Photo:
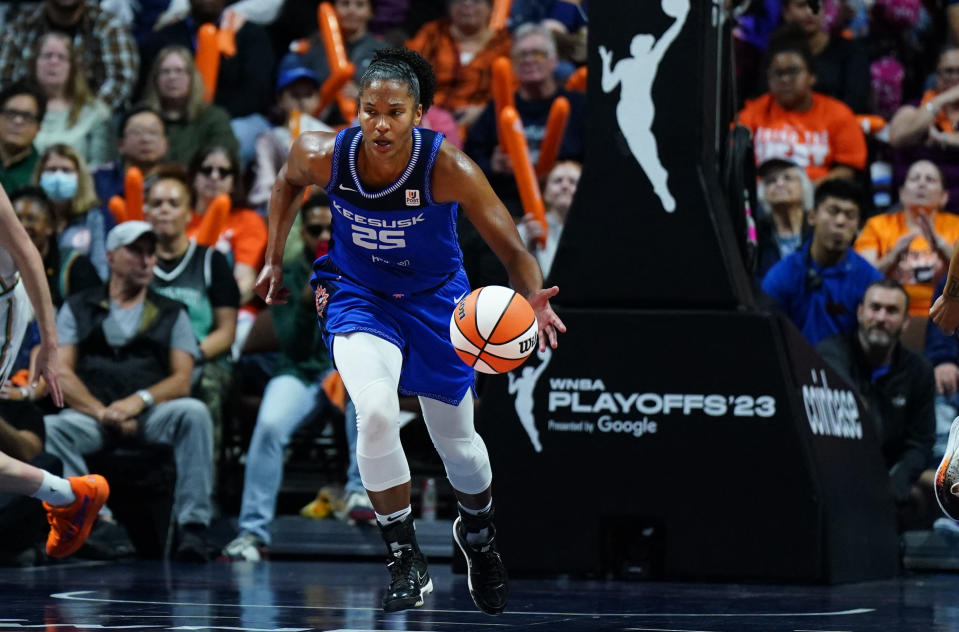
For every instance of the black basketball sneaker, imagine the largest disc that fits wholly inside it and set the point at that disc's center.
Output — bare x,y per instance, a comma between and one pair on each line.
486,573
409,577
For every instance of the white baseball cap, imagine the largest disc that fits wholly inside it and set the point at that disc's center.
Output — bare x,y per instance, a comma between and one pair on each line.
126,233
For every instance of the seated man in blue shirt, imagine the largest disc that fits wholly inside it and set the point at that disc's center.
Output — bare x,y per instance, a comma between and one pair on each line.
819,286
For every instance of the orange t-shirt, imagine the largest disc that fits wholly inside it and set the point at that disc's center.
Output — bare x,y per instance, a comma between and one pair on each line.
244,236
818,139
919,270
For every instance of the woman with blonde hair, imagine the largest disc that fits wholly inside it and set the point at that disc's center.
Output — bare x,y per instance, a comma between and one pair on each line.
174,88
74,115
82,223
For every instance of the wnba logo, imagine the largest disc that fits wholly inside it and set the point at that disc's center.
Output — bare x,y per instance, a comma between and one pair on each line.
525,346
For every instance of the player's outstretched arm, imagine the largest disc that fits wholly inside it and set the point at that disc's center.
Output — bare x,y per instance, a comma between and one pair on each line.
457,178
308,163
14,239
945,311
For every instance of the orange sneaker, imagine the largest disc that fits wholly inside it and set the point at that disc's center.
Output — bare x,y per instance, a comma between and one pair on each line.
70,525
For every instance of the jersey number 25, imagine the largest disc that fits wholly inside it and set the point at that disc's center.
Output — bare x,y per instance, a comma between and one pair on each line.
371,239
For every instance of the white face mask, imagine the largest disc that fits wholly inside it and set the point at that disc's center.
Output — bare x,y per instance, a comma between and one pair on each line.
59,185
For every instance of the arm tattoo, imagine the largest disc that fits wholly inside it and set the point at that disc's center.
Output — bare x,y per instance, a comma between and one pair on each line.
952,287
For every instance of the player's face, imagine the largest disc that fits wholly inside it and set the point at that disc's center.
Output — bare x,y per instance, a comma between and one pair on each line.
35,218
561,186
387,116
215,176
790,81
882,316
167,207
923,187
835,223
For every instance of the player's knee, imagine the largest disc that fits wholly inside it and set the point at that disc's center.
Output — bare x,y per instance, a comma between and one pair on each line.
466,461
377,410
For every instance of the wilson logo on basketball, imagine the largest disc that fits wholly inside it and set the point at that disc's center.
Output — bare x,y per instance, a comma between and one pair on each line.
321,299
525,346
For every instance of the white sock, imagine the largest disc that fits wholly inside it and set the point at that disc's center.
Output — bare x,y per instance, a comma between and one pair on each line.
476,512
393,518
55,490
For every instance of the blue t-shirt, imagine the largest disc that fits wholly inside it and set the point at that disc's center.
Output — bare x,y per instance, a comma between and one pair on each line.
820,301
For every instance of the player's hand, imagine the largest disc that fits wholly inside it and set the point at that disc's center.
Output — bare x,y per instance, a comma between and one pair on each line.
48,367
269,285
549,323
945,313
947,378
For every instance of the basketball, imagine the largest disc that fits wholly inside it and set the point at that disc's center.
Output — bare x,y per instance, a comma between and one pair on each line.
493,329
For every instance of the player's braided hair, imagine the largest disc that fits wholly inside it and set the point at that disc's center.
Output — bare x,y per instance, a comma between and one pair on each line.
403,64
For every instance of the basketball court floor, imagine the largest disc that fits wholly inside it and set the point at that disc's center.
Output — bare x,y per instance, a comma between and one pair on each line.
326,596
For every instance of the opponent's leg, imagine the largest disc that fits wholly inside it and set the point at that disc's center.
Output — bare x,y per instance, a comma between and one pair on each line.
468,469
370,368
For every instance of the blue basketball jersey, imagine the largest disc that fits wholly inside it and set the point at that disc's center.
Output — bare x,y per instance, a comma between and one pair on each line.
397,240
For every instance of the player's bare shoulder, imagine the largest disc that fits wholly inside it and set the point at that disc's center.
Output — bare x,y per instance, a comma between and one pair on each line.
452,171
310,158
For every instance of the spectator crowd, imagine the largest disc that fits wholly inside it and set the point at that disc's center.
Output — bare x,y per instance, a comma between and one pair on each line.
853,108
119,149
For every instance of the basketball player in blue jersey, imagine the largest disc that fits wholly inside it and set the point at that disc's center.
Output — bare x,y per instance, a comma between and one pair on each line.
384,296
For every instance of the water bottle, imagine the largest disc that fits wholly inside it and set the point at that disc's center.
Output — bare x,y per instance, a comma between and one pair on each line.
428,508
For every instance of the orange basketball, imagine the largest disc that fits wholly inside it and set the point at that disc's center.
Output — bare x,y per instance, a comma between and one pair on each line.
493,329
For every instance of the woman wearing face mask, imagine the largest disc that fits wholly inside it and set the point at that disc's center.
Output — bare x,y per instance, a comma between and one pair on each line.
82,223
74,116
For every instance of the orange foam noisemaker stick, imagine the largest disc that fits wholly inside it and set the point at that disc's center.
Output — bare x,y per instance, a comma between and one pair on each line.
499,14
529,194
214,220
502,89
577,80
553,136
341,70
118,207
208,59
133,193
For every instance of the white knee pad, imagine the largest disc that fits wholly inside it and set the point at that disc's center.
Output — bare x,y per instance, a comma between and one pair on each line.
461,448
370,370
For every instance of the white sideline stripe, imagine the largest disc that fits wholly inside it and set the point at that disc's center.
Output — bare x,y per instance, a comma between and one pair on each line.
75,596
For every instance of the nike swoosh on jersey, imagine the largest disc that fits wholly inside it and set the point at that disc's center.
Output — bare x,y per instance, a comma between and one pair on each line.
460,297
347,188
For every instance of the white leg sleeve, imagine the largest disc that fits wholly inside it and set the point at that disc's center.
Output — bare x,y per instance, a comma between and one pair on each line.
370,368
461,448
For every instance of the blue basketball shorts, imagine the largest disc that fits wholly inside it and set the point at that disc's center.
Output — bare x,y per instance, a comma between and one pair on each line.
419,324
